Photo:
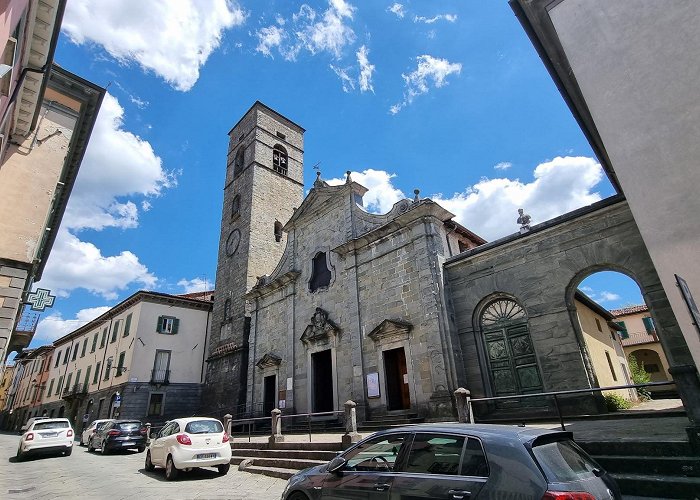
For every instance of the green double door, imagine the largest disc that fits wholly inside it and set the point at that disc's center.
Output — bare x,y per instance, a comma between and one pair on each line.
511,359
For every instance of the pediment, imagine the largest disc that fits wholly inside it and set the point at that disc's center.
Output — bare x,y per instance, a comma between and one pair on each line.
268,360
320,329
391,329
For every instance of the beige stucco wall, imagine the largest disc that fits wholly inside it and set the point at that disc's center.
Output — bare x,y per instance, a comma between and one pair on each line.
28,183
635,328
636,64
598,343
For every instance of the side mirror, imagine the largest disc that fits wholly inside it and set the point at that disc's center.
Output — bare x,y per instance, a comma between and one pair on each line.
336,464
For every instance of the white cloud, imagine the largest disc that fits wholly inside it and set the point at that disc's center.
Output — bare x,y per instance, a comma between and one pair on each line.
53,326
429,71
430,20
194,285
347,81
172,38
269,38
77,264
381,194
105,177
366,69
586,289
397,9
504,165
317,33
606,296
490,207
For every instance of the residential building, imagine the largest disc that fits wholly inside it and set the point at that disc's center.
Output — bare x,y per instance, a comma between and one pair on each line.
28,386
141,359
5,384
641,340
47,115
603,345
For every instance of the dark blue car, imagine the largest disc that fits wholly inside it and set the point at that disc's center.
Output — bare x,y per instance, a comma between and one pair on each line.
458,461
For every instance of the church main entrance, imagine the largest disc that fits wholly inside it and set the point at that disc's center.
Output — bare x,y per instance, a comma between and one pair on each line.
397,393
322,374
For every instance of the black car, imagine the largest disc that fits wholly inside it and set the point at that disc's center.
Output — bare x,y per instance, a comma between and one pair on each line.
458,461
119,435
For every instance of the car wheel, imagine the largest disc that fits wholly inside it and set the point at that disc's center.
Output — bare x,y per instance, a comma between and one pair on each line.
89,446
69,451
149,465
103,449
297,495
170,469
20,455
223,469
141,449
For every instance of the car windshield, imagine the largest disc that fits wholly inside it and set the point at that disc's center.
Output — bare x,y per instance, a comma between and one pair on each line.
564,461
129,426
204,427
38,426
100,425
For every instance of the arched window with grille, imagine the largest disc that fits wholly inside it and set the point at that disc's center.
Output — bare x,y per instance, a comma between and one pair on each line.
510,354
239,161
227,309
279,159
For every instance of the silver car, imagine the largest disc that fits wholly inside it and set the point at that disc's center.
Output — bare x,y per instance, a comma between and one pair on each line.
458,461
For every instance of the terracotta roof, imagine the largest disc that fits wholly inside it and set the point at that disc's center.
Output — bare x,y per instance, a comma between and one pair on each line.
207,296
629,310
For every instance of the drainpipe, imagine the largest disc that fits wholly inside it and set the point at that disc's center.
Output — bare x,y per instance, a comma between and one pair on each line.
205,347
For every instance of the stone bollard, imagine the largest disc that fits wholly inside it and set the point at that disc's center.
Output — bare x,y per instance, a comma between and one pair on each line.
276,435
351,435
464,410
227,424
148,432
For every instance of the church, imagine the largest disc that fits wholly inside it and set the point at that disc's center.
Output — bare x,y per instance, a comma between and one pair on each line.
319,301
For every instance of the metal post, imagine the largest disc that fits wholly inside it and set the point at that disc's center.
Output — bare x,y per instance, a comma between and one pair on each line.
148,432
308,419
561,418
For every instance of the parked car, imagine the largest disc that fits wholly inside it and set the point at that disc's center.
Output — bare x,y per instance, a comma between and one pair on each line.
458,461
29,423
90,430
46,435
185,443
119,435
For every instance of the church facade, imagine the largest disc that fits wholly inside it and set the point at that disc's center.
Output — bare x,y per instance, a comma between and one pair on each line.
319,301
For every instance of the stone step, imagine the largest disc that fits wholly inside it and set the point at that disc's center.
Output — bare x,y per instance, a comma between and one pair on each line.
278,472
658,486
671,466
278,463
306,446
322,455
637,448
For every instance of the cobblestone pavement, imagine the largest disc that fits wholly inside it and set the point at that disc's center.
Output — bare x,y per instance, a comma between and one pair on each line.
118,476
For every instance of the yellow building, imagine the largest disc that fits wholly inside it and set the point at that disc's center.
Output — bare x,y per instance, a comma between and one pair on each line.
605,352
639,339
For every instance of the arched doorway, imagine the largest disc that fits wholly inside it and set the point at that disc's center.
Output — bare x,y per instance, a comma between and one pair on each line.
510,355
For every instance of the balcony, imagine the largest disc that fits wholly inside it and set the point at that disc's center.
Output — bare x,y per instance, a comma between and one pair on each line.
640,338
76,390
160,376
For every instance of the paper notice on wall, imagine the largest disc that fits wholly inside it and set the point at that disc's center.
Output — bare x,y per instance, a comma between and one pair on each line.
373,385
290,383
282,404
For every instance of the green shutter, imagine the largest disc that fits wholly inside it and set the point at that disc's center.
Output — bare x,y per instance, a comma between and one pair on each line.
623,331
94,343
159,326
127,325
97,373
176,325
87,378
649,325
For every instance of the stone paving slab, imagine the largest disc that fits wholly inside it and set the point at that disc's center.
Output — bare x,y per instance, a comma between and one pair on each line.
119,476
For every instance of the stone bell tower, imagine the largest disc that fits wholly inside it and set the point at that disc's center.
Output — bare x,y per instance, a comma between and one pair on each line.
264,184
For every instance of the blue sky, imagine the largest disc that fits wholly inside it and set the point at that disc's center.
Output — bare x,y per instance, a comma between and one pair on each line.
448,97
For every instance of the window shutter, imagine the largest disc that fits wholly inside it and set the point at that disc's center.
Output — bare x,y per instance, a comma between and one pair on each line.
159,326
176,325
623,332
649,325
127,325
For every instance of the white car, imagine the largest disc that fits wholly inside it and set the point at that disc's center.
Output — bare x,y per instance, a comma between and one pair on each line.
91,429
185,443
47,435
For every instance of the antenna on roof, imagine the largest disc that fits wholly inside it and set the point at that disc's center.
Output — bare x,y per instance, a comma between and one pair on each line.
316,167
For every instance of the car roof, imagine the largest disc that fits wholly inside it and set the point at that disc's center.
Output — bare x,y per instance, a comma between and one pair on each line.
128,421
187,420
54,420
486,431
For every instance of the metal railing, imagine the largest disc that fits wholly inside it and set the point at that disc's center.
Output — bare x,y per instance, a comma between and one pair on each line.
75,390
160,376
555,395
640,338
307,417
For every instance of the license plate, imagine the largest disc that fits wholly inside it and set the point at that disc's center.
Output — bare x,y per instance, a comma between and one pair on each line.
48,434
127,443
202,456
